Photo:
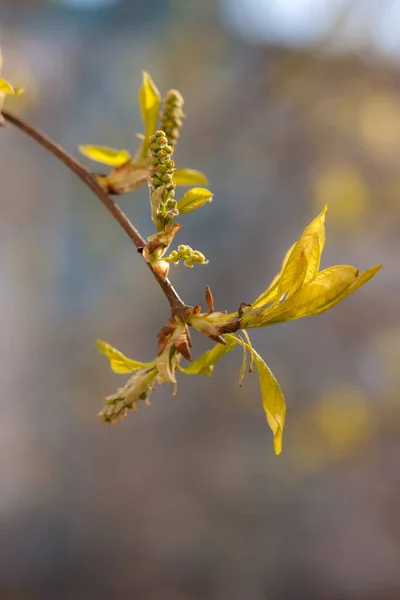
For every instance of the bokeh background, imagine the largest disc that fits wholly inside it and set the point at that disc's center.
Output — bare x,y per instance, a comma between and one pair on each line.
290,104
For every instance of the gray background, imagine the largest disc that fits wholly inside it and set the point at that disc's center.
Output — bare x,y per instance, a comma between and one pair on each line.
289,105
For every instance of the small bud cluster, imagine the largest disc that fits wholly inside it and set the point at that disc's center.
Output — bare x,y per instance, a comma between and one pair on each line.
161,168
171,118
188,255
161,164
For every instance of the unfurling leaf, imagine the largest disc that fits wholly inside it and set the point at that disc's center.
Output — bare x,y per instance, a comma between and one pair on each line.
189,177
138,388
273,401
206,362
105,155
301,263
326,290
160,242
194,199
126,178
118,362
300,289
174,342
150,100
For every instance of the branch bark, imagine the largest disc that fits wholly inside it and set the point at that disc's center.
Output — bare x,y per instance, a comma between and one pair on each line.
178,307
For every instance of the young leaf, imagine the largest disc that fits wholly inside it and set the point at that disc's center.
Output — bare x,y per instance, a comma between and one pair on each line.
194,199
327,289
150,100
270,293
118,362
6,87
126,178
105,155
206,362
304,259
301,263
273,401
189,177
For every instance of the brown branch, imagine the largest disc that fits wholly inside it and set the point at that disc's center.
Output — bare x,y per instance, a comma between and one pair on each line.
178,307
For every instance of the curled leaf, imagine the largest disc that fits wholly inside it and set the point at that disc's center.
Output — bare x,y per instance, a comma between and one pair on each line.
194,199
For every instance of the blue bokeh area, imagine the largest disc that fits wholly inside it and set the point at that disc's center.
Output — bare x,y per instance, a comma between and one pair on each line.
290,105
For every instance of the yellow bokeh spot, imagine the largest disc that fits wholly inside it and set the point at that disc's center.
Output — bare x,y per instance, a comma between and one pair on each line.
343,189
343,418
380,124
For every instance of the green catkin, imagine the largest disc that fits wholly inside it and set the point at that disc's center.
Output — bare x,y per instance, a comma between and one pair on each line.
171,118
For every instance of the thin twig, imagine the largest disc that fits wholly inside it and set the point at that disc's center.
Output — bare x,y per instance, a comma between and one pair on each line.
178,307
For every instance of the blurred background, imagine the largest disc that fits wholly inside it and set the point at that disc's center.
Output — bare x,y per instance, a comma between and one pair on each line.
290,104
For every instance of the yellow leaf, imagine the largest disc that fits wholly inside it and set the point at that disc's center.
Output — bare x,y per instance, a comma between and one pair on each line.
363,277
292,277
314,255
271,291
206,362
327,289
194,199
150,100
273,401
301,263
309,245
105,155
6,87
118,362
189,177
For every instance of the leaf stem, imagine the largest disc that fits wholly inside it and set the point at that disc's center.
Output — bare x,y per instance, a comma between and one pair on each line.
178,307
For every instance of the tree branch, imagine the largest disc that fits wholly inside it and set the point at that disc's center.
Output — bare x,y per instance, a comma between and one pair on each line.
178,307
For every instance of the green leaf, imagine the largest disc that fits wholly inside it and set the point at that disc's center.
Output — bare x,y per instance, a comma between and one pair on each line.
206,362
189,177
194,199
118,362
105,155
150,100
273,401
